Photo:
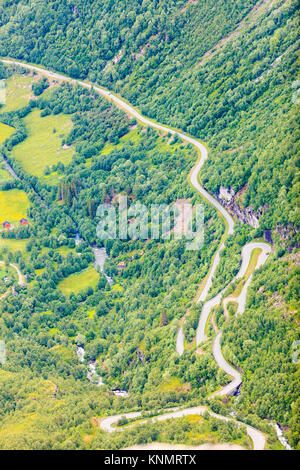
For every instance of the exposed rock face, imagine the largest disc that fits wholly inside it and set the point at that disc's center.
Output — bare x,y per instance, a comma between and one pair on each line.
226,194
268,235
287,234
247,216
140,354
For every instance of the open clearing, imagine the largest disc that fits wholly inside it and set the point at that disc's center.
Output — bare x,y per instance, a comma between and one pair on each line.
7,271
79,281
43,146
4,175
5,132
13,244
18,92
13,205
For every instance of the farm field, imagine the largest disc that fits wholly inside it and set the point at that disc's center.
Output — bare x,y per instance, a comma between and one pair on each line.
13,205
43,146
79,281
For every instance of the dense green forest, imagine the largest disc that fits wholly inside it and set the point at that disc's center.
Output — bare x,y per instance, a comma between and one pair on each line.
237,96
135,47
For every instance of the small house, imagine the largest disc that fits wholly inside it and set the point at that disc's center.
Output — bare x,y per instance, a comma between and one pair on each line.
6,224
24,222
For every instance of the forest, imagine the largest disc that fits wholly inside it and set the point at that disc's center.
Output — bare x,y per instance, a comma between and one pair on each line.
238,99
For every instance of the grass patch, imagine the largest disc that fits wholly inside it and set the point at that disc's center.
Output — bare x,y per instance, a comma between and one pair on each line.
18,92
174,383
40,271
65,353
79,281
64,250
13,244
4,175
7,271
5,132
91,314
132,136
43,146
13,205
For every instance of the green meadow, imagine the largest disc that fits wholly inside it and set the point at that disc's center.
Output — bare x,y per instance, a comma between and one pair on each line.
43,146
79,281
17,92
4,175
5,132
13,205
13,245
7,271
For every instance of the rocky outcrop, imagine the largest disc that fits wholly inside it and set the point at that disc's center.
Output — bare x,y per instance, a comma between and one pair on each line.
140,354
246,215
288,235
226,194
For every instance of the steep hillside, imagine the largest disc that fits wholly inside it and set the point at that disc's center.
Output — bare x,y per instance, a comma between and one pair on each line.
222,71
233,86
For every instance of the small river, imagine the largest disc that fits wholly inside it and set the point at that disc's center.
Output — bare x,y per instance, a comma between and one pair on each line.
92,375
100,257
281,437
10,169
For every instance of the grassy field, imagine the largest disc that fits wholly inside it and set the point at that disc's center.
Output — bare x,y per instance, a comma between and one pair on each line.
4,175
43,146
13,205
173,383
7,271
79,281
5,132
13,244
18,92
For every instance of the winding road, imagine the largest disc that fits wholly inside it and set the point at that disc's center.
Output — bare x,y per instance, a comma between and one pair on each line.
107,424
241,300
257,437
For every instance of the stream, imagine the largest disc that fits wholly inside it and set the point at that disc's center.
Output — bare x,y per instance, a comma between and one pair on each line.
10,169
281,437
92,375
100,257
12,172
